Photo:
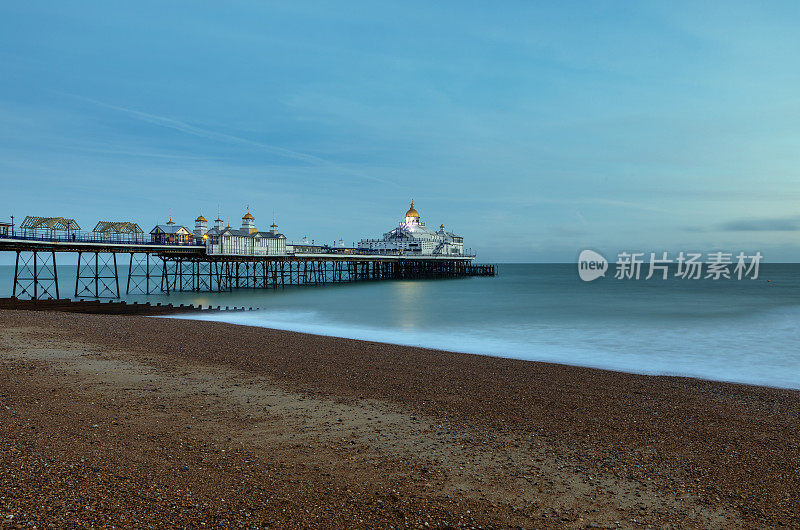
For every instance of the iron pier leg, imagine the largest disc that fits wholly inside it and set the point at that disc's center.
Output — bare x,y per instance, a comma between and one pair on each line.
164,275
55,274
35,278
130,270
78,275
16,274
97,275
116,276
179,276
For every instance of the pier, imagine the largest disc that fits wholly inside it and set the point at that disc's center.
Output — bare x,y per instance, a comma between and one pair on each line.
167,267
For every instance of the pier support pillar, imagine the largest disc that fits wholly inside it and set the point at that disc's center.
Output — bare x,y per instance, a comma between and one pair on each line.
35,275
138,274
97,275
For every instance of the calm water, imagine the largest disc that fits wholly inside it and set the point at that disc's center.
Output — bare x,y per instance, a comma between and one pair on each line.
746,331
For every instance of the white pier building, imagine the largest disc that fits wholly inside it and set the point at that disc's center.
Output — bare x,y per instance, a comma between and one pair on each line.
244,241
412,236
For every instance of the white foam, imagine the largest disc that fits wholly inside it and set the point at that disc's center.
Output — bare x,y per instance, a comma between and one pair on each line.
729,350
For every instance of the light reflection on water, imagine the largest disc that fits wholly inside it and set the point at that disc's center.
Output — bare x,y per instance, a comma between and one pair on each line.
408,297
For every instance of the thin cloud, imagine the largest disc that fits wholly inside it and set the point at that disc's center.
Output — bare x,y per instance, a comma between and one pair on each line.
525,200
567,230
187,128
788,224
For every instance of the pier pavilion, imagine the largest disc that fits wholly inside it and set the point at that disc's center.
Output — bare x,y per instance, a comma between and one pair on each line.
244,241
413,236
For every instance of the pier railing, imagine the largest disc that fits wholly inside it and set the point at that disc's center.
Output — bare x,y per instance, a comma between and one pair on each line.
91,237
377,252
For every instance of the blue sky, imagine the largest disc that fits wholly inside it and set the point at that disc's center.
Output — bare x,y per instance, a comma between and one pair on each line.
534,129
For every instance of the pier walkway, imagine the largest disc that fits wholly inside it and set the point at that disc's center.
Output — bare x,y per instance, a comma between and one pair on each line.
169,267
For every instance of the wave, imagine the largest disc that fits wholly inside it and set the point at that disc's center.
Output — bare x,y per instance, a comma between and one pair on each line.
722,351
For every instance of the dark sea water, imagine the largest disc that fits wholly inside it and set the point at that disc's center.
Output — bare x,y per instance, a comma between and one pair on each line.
731,330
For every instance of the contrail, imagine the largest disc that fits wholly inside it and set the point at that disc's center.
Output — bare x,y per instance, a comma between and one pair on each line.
223,137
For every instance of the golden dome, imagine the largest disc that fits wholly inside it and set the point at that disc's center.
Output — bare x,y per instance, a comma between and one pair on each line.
200,218
247,216
412,212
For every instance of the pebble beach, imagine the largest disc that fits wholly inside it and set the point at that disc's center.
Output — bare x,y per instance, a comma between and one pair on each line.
133,421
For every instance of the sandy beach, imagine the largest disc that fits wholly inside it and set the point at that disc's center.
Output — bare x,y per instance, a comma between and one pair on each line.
136,421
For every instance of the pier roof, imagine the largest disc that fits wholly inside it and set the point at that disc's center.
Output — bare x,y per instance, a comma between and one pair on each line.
117,227
243,232
170,229
49,223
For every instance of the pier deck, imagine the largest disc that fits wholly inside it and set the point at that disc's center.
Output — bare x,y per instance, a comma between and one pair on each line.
165,268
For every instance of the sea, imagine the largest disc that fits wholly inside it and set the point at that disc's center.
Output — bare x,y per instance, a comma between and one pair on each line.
745,331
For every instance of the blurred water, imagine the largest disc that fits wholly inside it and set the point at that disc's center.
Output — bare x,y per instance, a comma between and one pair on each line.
745,331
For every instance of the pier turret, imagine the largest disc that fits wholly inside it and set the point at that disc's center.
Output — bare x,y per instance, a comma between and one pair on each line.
200,228
249,223
412,216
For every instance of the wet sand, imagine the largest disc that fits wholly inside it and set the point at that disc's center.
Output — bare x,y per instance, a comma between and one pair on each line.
135,421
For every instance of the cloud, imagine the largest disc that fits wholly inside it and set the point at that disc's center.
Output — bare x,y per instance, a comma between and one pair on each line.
567,230
184,127
787,224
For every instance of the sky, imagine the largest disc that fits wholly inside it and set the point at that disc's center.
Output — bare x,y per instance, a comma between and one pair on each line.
533,129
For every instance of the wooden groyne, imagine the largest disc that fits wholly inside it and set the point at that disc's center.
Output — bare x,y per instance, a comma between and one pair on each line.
108,308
